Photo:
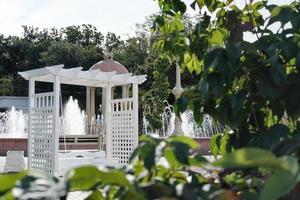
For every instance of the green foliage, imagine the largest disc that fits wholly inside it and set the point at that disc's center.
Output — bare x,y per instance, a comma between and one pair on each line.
37,186
6,85
220,144
159,91
85,35
285,170
10,181
112,42
168,169
84,46
248,86
141,179
278,185
252,157
288,146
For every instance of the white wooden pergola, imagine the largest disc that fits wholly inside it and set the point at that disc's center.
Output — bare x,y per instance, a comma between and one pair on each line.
121,115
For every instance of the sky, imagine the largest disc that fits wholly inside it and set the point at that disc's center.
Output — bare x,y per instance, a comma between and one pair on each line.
118,16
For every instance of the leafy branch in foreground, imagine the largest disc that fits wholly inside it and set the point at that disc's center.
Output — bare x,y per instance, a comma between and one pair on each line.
249,82
169,168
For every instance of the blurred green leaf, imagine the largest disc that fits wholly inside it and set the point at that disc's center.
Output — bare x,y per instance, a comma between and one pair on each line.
279,184
254,157
193,63
96,195
216,38
184,139
8,181
287,146
225,146
271,137
214,144
83,178
114,177
181,151
169,154
89,177
146,151
280,14
157,190
39,186
181,105
197,160
7,196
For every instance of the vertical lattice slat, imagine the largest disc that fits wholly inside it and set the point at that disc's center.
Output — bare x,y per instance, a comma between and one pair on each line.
41,134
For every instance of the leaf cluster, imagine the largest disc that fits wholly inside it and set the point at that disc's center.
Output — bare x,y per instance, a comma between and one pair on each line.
168,169
250,85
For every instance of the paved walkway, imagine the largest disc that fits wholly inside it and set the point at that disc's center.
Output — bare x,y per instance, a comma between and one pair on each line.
71,159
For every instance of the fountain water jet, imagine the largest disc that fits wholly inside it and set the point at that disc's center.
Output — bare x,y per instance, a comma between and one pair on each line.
189,126
13,124
74,119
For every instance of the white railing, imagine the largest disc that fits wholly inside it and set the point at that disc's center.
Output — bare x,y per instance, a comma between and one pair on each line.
79,140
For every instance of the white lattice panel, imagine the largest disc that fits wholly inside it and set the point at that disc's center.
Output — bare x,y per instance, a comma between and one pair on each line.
41,145
122,118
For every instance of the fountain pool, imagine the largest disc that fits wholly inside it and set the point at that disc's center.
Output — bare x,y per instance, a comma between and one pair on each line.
201,133
190,127
75,132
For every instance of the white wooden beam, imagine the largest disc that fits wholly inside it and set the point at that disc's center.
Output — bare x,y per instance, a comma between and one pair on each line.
137,79
34,73
72,76
121,77
55,69
70,72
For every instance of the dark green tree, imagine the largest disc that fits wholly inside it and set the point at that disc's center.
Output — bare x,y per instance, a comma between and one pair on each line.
6,87
153,100
112,42
249,86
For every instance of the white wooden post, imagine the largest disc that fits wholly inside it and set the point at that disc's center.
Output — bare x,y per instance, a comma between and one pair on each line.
108,124
56,91
135,96
103,106
88,103
124,91
112,92
93,90
30,105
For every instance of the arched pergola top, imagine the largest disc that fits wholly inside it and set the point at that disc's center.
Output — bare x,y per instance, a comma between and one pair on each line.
76,76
